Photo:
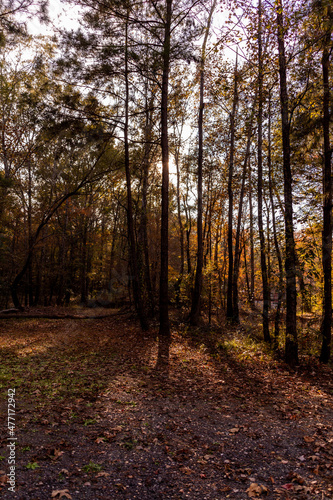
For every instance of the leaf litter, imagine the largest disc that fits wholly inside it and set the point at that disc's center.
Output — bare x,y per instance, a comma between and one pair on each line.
226,423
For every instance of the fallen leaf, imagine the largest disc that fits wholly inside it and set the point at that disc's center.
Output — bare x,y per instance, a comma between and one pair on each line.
234,430
254,490
308,439
3,479
186,470
56,454
288,486
61,493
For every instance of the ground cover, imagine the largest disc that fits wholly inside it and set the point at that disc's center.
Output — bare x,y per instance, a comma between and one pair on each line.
95,421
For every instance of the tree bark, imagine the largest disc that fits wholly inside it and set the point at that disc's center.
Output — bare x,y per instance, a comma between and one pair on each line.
251,242
276,242
327,206
265,289
291,344
137,295
164,329
231,196
196,296
179,217
143,230
239,219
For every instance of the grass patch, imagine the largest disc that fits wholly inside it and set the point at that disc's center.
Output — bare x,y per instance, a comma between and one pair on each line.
92,467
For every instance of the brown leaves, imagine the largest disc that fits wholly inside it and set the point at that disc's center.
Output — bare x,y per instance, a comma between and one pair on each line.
186,470
61,494
255,490
56,454
3,478
234,430
100,440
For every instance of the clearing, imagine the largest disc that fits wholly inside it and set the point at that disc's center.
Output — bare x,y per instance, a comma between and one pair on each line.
94,421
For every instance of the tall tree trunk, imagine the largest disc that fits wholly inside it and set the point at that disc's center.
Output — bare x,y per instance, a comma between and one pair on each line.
83,259
246,270
143,229
196,296
30,276
188,234
239,219
327,208
231,195
265,289
291,345
180,223
275,238
164,330
251,242
137,295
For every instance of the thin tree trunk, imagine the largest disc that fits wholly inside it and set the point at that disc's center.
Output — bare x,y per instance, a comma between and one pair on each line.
30,277
180,223
143,231
327,208
265,290
231,196
291,345
164,330
251,242
137,295
83,277
239,219
188,235
246,270
196,296
276,242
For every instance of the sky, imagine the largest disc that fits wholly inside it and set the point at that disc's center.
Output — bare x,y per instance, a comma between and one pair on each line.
65,16
61,15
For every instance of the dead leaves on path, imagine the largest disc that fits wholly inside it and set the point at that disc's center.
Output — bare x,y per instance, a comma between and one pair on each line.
256,489
61,494
56,454
3,478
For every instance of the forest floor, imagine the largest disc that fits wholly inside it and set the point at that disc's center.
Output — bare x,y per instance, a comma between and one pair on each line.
93,420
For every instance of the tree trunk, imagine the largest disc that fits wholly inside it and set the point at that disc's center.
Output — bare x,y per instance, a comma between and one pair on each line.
164,330
327,208
239,219
251,242
231,196
137,295
196,296
180,223
143,230
265,289
83,277
276,242
291,345
188,235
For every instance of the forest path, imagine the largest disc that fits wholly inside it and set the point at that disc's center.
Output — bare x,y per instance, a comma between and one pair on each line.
95,421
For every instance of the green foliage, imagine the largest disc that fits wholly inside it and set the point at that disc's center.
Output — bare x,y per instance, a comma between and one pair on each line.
32,465
92,467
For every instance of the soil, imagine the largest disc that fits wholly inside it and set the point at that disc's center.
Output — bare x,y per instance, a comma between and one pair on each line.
94,420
